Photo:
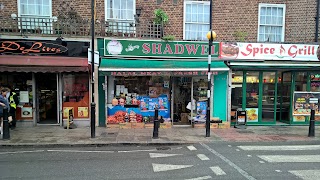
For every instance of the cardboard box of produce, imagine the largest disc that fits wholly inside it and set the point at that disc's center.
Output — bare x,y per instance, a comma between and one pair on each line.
214,126
136,125
148,125
224,125
113,126
125,125
184,117
202,125
165,125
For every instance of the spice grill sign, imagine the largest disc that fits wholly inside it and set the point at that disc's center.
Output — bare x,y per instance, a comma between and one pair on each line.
262,51
160,49
31,47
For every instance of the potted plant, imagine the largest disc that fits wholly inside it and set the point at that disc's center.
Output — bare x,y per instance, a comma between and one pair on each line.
160,17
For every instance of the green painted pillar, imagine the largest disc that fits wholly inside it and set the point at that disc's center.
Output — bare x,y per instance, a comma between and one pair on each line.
220,95
102,99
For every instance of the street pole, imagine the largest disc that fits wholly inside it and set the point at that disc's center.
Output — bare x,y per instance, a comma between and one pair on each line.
93,105
209,75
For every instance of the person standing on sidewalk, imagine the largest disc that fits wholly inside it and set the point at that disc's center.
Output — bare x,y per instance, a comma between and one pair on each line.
3,103
14,101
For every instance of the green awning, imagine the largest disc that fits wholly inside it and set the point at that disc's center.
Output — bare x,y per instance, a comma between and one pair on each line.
159,65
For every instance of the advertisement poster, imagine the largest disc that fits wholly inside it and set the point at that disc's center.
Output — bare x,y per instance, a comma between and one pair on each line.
202,108
268,51
144,103
163,103
303,102
24,96
26,112
152,103
83,112
252,114
66,111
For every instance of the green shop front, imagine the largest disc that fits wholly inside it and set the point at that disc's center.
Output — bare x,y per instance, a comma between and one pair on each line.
277,84
135,76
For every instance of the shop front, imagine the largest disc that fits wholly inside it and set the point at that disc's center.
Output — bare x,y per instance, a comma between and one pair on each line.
135,77
274,83
49,77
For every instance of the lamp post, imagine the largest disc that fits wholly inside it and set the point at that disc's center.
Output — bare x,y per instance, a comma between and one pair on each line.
210,35
93,105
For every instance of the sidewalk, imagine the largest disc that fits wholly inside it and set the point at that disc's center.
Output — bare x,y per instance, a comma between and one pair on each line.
58,136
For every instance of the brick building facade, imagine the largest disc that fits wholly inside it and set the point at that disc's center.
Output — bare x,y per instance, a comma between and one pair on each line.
232,20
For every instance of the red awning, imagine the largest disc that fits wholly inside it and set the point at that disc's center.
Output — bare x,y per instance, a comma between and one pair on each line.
12,63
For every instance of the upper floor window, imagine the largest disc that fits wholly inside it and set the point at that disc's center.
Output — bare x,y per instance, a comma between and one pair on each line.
35,8
196,20
271,22
120,9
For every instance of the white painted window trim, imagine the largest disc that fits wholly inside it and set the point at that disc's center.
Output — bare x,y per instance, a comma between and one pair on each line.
184,13
284,18
106,11
19,9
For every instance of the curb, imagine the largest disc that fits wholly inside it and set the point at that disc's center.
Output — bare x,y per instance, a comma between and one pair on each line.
94,144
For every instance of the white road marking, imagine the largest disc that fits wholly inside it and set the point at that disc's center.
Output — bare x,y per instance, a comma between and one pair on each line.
249,155
21,152
158,155
191,148
261,162
79,151
203,157
229,146
143,150
291,158
168,167
217,170
241,171
201,178
278,171
280,148
307,174
237,149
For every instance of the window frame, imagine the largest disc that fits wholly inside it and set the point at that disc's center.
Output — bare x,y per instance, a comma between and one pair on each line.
38,16
114,19
283,6
184,15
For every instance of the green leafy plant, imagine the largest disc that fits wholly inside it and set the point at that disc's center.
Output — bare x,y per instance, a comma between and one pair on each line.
168,38
240,35
160,17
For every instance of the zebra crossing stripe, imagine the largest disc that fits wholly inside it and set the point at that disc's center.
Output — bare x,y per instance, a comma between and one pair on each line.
203,157
201,178
217,170
307,174
191,148
280,148
291,158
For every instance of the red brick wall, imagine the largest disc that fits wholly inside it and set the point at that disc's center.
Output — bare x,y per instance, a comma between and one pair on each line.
228,16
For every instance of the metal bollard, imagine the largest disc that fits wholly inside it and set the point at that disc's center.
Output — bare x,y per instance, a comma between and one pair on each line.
312,124
156,123
6,131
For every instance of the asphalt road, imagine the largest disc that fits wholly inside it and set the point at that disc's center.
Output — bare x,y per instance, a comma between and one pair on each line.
220,160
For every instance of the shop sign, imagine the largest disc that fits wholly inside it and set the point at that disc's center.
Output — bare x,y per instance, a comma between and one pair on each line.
303,102
31,47
263,51
160,49
159,73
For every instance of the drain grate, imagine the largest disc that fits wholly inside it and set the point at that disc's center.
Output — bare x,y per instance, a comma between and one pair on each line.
245,132
163,148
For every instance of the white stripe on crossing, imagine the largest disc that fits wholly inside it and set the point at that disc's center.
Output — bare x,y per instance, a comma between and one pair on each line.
201,178
203,157
307,174
280,148
217,170
191,148
291,158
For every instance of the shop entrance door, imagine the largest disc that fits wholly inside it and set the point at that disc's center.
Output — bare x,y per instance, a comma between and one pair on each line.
47,98
181,96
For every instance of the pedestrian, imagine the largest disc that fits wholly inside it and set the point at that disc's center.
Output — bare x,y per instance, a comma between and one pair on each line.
13,101
3,103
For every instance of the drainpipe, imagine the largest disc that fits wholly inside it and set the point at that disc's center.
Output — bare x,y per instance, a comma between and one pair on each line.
317,22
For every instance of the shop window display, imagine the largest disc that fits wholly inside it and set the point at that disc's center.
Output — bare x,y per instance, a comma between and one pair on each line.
76,95
21,84
135,99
